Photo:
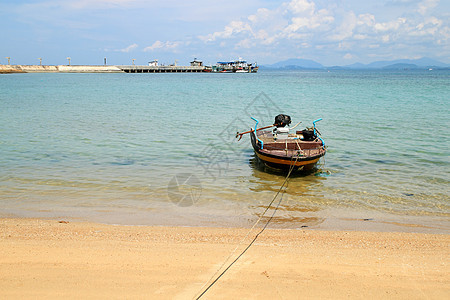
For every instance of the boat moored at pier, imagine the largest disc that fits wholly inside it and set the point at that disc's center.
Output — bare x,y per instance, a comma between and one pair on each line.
237,66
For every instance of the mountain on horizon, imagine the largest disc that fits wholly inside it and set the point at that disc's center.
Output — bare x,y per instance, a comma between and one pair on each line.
296,63
421,63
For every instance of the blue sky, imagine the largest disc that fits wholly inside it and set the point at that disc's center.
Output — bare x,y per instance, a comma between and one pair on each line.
337,32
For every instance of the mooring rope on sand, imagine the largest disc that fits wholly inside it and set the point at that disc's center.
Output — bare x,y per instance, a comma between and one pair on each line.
256,236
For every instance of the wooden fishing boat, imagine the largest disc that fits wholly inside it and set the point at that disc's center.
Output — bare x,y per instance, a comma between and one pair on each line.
284,147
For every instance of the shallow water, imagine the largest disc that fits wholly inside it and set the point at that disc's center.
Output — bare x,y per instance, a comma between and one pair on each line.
160,148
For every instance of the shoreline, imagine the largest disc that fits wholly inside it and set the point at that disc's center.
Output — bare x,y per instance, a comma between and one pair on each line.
330,219
56,258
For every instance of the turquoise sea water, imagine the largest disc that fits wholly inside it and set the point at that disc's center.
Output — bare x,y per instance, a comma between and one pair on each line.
160,149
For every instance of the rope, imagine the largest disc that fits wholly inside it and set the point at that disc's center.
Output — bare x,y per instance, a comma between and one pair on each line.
291,168
299,148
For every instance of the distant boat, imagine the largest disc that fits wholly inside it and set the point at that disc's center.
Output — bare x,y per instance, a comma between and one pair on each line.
237,66
282,149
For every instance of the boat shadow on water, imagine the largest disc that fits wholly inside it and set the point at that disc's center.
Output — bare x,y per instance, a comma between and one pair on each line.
302,203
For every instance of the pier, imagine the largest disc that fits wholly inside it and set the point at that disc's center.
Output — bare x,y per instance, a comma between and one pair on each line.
6,69
195,67
164,69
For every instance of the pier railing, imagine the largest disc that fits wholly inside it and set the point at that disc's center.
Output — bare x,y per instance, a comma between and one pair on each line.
162,69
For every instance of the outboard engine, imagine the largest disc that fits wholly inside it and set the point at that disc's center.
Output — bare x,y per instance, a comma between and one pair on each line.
281,132
282,120
306,135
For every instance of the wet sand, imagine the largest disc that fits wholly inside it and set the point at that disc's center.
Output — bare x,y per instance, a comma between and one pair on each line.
49,259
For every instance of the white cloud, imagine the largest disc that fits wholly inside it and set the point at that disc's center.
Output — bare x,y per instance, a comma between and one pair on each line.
264,37
262,15
366,20
360,36
426,5
246,43
301,7
166,46
230,30
306,18
129,48
390,26
348,56
346,28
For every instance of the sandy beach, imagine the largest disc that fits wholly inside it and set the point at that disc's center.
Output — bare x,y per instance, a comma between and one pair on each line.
56,259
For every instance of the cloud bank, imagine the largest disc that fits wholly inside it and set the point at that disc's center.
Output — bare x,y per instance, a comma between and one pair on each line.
331,32
303,28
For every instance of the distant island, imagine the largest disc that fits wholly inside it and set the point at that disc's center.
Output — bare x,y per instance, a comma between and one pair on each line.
400,64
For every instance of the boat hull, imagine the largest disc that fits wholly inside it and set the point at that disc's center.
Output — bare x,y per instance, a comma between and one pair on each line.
286,159
281,163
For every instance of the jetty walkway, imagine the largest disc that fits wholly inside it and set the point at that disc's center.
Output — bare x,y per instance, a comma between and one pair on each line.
5,69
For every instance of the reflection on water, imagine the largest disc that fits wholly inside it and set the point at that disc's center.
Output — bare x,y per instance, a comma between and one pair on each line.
299,201
270,179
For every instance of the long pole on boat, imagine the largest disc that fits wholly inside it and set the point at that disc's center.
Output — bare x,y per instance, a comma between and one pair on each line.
241,134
